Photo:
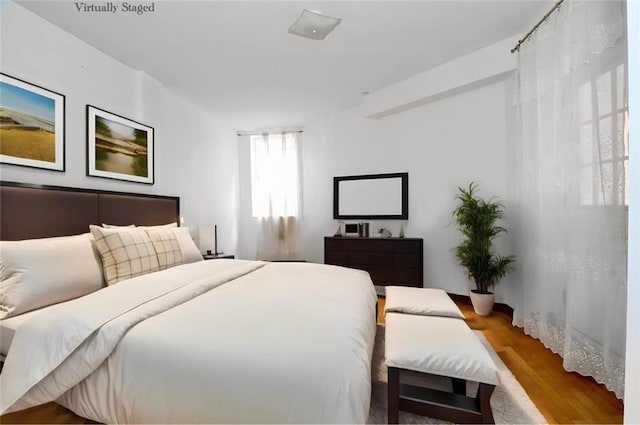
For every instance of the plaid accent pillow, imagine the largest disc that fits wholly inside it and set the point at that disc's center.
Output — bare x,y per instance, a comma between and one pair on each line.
166,244
125,253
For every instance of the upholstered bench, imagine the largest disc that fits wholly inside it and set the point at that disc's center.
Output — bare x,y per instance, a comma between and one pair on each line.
425,333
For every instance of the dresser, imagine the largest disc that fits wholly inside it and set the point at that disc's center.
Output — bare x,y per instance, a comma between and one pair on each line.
389,261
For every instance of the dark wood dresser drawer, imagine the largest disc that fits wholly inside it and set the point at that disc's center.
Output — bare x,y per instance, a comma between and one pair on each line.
409,277
374,258
338,258
389,261
407,259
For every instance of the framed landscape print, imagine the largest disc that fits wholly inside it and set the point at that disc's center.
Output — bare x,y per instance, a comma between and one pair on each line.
31,125
118,148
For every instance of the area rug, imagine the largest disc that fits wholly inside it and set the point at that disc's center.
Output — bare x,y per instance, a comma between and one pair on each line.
510,403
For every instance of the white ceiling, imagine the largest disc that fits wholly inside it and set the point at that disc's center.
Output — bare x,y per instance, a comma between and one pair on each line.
237,60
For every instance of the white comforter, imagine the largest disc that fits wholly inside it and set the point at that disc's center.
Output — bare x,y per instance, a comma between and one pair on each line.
213,341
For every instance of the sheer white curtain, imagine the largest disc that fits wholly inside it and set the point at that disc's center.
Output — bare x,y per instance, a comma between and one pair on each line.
276,195
573,157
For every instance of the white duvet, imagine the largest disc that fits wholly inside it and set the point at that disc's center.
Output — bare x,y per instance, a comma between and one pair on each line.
213,341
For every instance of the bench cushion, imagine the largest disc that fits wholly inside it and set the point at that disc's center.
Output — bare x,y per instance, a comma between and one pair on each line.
438,345
423,301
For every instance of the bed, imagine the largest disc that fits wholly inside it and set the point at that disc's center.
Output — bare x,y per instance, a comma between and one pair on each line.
220,341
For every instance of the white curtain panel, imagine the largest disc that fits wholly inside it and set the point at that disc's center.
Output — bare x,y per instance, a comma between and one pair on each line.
279,238
276,195
572,157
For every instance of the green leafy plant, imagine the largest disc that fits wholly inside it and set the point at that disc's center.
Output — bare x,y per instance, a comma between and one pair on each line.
476,220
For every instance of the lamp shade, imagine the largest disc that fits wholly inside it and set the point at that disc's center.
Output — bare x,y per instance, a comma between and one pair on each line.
206,238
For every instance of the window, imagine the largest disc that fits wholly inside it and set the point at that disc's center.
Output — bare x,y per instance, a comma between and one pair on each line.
604,142
274,175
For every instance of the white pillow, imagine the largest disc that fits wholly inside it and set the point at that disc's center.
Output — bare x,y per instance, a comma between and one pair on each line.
421,301
190,252
35,273
174,224
115,226
125,253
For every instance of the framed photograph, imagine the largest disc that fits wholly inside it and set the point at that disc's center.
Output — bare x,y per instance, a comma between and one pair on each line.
118,148
31,125
351,229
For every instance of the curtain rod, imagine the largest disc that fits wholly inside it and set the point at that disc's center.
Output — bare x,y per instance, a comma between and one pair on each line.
535,27
258,133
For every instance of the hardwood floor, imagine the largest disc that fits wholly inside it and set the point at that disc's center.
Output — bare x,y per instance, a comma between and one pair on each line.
50,413
562,397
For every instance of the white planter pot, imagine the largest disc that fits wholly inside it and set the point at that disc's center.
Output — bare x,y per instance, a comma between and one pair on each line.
482,303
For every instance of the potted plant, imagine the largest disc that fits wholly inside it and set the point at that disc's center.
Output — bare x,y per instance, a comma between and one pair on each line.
476,219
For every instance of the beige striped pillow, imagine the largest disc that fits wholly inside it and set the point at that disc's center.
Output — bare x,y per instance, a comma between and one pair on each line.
166,244
125,253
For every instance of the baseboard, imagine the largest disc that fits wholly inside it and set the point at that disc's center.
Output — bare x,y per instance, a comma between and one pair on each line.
499,307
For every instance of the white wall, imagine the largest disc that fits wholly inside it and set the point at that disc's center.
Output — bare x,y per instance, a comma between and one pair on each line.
632,370
443,145
443,137
490,63
446,127
248,228
195,156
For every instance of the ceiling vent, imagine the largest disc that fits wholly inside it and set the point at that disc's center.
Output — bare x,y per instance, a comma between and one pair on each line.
313,25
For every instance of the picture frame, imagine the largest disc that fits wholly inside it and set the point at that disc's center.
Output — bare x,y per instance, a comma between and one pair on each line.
371,196
118,147
351,229
32,125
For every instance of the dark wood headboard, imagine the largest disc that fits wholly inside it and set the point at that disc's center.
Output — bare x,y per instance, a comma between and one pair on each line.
30,211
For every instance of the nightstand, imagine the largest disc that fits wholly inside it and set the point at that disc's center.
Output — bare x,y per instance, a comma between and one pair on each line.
218,256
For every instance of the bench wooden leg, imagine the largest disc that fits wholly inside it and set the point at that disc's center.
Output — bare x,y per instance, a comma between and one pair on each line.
483,404
393,395
459,386
452,406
